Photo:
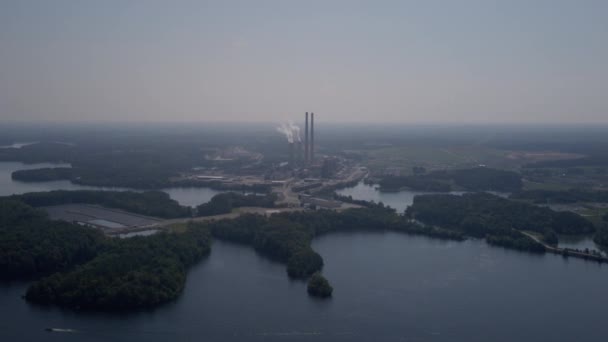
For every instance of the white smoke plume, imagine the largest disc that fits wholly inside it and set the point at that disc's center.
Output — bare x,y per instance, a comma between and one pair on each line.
295,131
290,131
286,131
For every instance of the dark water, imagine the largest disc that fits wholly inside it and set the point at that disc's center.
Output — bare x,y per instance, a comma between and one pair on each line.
399,200
579,242
8,186
388,287
191,196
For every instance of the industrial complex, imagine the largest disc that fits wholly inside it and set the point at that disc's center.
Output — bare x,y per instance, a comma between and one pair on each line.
299,180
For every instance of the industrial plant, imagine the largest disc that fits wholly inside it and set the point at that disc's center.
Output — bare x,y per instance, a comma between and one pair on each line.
300,178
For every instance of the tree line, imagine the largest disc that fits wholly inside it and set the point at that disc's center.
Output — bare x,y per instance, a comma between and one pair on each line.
562,196
473,179
32,246
224,203
129,274
151,203
80,267
497,219
601,236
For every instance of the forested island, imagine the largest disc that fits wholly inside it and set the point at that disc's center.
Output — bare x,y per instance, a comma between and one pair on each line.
497,219
318,286
474,179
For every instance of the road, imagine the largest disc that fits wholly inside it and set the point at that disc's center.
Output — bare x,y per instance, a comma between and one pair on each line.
562,251
234,214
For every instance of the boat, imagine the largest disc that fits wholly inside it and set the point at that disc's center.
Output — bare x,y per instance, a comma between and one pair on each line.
60,330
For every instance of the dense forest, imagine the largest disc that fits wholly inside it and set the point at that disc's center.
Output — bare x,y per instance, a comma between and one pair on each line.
495,218
139,163
82,268
224,203
75,175
564,196
601,236
474,179
102,164
134,273
43,174
318,286
151,203
32,246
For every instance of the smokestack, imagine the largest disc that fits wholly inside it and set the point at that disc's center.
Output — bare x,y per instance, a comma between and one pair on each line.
306,141
312,137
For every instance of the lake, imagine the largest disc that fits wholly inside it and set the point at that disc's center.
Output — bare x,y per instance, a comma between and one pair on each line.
387,287
189,196
398,200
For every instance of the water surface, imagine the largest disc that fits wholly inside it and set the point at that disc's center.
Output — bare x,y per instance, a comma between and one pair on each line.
579,242
398,200
388,287
185,196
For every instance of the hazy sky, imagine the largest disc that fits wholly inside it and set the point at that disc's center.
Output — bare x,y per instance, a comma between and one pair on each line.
406,61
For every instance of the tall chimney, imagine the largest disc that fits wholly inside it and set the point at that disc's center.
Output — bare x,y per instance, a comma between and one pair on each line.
306,141
312,137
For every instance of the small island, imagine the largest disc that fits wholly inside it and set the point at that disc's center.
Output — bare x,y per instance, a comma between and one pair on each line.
318,286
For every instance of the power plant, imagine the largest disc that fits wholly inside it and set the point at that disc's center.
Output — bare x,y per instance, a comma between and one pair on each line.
309,141
293,170
292,133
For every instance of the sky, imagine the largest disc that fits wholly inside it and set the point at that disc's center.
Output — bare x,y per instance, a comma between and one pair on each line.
466,61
